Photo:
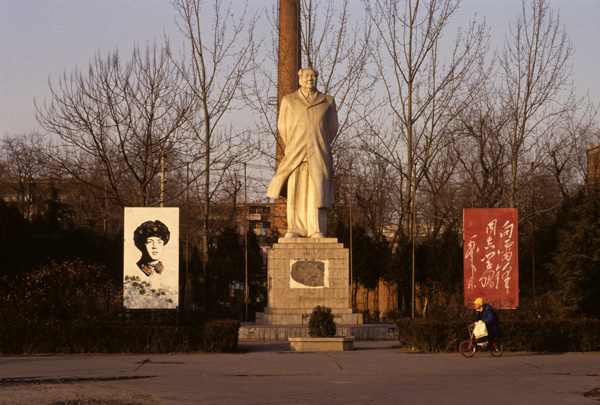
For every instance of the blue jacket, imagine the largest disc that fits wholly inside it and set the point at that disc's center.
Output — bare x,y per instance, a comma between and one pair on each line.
489,317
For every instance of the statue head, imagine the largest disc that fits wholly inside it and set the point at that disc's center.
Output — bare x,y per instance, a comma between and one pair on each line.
307,78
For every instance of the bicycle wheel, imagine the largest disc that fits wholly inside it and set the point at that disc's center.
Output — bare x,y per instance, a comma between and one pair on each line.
467,349
496,349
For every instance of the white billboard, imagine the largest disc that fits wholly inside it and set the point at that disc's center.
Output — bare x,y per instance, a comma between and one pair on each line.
151,258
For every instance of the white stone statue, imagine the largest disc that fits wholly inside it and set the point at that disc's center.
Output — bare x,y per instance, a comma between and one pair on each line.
307,124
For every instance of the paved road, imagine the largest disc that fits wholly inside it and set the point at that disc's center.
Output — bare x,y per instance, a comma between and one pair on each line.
262,373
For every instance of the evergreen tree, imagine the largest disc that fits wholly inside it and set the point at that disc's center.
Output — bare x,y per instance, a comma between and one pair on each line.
257,271
576,263
370,257
13,228
440,266
400,273
226,265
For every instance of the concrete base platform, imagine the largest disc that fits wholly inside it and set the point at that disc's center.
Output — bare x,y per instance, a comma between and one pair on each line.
251,332
331,344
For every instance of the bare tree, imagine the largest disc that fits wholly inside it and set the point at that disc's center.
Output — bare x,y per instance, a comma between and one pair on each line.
423,77
424,88
534,75
373,196
115,121
565,148
339,47
22,169
441,200
213,70
480,151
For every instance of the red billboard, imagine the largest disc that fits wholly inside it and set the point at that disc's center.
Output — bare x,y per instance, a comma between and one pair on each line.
491,256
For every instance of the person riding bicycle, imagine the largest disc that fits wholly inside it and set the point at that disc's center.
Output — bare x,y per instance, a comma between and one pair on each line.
486,313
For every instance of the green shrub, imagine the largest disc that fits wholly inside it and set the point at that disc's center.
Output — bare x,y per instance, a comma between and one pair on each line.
552,335
127,337
68,291
538,335
220,336
321,323
431,336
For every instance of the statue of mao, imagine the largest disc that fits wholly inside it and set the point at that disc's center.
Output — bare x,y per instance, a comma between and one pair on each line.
307,124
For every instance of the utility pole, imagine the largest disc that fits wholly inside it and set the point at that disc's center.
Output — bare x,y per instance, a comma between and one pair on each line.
187,234
532,235
163,156
473,185
413,233
246,287
350,220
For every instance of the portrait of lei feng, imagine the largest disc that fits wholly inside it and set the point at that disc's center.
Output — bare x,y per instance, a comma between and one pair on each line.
151,265
150,238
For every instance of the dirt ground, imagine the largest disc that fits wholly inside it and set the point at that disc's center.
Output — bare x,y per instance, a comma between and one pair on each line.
72,394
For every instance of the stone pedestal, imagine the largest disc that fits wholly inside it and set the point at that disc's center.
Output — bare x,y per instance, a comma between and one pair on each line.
304,273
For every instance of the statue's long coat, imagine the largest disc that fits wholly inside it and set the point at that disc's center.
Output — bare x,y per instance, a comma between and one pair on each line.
308,129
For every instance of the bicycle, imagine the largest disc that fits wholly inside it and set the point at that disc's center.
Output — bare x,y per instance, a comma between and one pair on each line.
467,348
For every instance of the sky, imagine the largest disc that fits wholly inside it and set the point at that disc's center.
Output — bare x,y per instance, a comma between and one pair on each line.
42,39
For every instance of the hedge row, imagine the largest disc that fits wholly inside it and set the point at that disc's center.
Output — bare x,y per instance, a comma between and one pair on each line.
212,336
540,335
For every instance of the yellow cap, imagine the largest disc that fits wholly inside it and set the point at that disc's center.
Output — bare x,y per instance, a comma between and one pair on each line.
478,301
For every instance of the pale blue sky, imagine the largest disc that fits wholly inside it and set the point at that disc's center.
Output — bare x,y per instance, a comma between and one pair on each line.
42,38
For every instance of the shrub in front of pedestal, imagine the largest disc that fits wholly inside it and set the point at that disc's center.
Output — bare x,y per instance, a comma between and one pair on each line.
321,323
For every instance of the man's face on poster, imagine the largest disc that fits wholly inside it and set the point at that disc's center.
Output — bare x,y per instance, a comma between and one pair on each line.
155,247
